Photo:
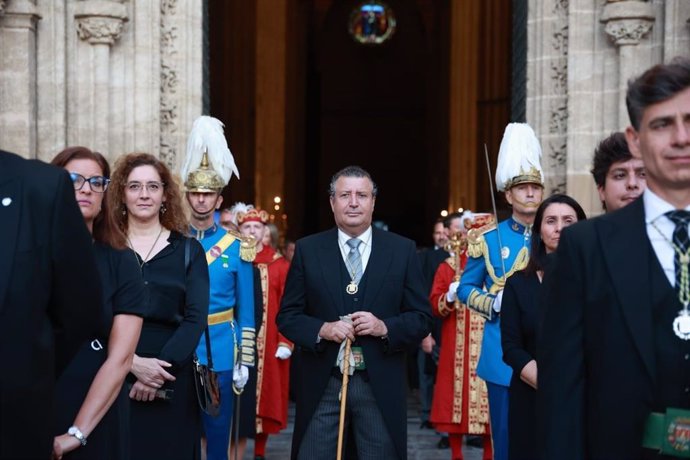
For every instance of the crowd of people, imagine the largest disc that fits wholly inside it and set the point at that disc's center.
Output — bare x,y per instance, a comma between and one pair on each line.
128,296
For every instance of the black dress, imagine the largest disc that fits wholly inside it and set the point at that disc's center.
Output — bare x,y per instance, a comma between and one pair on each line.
176,315
519,311
123,293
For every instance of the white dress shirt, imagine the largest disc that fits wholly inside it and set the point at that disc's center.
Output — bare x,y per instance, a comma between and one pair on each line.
364,247
654,211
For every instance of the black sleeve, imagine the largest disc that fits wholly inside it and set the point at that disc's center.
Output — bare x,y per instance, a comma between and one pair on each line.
514,353
560,354
299,327
129,291
183,342
413,323
76,297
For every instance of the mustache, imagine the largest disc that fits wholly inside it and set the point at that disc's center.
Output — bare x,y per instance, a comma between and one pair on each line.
527,204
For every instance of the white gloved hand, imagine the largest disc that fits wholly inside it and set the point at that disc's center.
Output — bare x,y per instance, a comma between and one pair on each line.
498,301
283,352
341,359
452,294
240,375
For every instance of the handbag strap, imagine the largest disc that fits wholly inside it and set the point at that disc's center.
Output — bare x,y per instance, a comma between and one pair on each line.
187,262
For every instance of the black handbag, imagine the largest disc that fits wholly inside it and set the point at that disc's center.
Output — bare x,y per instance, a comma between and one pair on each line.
206,382
205,378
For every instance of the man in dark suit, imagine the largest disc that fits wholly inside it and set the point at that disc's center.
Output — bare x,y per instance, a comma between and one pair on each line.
50,298
374,277
614,355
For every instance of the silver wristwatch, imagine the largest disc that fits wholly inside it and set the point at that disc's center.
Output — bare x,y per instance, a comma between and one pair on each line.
76,432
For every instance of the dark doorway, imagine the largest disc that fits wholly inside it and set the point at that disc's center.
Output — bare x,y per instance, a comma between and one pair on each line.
380,107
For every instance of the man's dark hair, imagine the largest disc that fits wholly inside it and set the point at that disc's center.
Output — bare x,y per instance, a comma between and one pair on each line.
661,82
537,256
611,150
450,218
351,171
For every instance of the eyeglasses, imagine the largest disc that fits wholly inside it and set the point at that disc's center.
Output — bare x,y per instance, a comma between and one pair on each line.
98,184
151,187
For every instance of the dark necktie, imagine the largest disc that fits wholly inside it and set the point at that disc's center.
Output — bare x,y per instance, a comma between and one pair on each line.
354,259
680,239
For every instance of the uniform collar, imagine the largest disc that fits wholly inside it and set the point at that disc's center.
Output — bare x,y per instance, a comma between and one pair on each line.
518,227
201,234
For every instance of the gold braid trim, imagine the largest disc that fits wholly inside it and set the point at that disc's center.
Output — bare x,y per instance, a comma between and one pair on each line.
247,246
475,240
520,262
248,342
482,303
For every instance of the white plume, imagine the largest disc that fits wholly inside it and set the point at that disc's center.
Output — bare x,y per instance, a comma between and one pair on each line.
519,152
207,136
238,208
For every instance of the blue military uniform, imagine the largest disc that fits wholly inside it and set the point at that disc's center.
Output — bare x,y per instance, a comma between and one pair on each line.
231,324
482,279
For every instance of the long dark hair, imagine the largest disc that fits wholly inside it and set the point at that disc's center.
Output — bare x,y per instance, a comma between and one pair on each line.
104,228
538,249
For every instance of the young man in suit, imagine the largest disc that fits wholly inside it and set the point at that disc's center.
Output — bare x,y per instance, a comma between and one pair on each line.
620,178
50,297
363,284
614,355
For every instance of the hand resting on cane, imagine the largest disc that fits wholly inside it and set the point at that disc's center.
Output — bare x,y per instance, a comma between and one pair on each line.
337,331
366,323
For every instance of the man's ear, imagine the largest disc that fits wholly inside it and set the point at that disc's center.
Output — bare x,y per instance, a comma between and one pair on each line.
633,139
509,197
219,201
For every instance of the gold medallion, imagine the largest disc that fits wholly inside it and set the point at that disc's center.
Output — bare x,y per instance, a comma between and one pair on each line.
681,325
352,288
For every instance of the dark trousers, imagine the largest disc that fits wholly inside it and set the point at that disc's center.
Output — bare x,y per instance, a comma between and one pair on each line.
362,416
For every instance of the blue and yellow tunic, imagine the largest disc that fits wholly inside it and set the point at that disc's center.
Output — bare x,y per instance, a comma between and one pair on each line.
484,277
231,301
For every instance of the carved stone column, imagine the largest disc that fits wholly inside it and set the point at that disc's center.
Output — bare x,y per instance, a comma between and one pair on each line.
99,23
626,22
18,97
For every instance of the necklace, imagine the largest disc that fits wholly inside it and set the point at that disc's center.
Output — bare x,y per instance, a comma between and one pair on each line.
352,287
681,325
145,259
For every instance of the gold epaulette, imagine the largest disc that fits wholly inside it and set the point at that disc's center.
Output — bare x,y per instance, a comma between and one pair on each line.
475,239
247,246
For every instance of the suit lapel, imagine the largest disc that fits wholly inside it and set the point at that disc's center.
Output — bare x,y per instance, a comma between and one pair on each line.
330,259
625,234
377,267
10,203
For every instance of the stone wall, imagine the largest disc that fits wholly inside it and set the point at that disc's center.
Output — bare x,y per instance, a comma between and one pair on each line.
114,75
581,53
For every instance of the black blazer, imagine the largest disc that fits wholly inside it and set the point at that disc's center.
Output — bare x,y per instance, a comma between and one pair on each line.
394,293
596,351
50,297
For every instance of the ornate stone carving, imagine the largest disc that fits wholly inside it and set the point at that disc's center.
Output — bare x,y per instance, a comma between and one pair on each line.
555,149
626,22
99,29
100,22
169,83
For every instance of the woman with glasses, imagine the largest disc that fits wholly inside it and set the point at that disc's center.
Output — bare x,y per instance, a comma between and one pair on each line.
146,204
90,403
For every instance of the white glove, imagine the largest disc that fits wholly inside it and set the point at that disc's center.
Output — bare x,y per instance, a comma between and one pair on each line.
452,294
240,375
498,301
341,359
283,352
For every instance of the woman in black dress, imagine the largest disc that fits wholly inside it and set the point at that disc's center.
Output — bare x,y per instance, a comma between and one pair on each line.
90,406
519,322
146,202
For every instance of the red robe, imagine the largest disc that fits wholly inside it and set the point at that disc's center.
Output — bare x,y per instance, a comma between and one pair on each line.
460,403
273,374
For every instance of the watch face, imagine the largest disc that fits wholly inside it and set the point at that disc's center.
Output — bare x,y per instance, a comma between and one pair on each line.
72,431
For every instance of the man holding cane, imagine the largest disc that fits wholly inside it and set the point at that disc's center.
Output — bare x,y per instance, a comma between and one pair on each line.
359,284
